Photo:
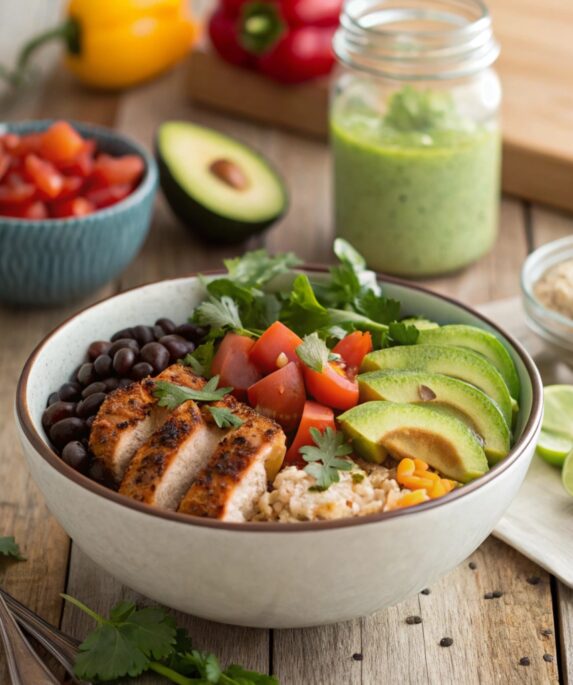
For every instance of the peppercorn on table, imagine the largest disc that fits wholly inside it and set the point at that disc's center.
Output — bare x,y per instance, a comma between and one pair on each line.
497,618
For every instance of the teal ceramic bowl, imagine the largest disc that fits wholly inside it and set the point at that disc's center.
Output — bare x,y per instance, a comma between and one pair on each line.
54,261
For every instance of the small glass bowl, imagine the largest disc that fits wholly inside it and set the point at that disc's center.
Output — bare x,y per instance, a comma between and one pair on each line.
549,324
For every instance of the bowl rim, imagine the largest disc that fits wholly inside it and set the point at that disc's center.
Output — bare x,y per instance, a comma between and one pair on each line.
41,446
146,185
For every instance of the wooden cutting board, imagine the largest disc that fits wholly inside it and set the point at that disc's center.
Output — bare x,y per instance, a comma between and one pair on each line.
536,67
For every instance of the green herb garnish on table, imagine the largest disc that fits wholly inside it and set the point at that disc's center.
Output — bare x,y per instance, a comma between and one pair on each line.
9,548
133,641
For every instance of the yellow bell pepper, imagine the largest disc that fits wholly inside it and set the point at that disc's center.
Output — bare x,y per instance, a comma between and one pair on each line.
114,44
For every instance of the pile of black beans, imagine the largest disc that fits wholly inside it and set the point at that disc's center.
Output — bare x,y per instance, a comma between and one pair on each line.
130,355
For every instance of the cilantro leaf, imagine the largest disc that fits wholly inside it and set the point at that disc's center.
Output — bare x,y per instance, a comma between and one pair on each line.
219,313
403,334
324,462
348,255
200,359
313,352
221,287
224,418
302,312
171,395
256,268
379,309
9,548
206,665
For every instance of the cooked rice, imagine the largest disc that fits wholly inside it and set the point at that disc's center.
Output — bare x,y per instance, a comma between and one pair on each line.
367,489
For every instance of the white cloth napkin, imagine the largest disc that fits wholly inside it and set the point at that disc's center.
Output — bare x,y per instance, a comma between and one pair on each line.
539,522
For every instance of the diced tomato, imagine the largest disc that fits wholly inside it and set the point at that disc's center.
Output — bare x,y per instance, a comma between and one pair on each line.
82,165
104,197
232,364
26,210
71,187
75,206
4,164
26,145
44,175
118,170
316,416
332,386
275,340
17,193
280,395
10,141
61,143
353,348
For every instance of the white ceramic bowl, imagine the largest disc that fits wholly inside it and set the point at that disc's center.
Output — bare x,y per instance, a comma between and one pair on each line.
263,574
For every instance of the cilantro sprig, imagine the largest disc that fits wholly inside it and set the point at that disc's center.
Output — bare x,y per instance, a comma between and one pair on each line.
224,417
200,359
324,459
10,548
170,395
133,641
314,353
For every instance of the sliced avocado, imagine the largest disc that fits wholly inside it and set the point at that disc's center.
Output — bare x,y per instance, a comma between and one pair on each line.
221,189
442,393
480,341
452,361
420,323
413,430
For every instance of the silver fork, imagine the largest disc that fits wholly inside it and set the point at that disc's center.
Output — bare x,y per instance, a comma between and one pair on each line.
62,647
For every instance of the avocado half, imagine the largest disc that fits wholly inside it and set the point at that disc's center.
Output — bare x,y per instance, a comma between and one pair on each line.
218,187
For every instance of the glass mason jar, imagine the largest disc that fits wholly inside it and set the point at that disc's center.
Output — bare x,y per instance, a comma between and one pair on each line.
414,123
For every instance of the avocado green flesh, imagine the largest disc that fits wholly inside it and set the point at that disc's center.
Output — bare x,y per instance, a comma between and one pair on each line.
451,361
420,324
210,206
452,396
479,341
411,430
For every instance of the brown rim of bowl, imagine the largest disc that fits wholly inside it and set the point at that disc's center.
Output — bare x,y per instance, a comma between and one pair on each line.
42,447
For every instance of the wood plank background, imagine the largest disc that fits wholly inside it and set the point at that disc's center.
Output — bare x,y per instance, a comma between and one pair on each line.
490,637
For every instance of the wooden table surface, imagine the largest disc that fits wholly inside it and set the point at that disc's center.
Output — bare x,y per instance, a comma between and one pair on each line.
490,637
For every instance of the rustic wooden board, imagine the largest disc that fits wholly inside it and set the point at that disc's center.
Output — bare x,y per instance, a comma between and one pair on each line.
536,68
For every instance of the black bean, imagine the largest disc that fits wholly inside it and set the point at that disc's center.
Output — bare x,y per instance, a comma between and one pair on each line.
86,374
111,384
143,334
141,370
192,332
124,333
92,388
426,591
472,565
524,661
56,412
158,332
90,420
76,455
548,657
96,471
534,580
90,405
125,383
54,397
547,632
123,343
155,354
166,324
70,392
497,594
413,620
98,347
67,430
123,361
488,595
446,642
358,657
177,346
103,365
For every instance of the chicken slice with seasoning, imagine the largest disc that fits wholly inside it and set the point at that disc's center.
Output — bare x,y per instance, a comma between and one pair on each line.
129,416
237,473
164,467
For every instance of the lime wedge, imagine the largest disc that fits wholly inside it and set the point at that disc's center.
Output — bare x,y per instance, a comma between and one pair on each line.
554,447
567,474
556,438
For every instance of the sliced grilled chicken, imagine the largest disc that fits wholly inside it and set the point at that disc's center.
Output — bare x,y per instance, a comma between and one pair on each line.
129,416
164,467
237,473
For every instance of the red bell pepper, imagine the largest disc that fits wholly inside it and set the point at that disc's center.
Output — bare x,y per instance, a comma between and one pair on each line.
288,40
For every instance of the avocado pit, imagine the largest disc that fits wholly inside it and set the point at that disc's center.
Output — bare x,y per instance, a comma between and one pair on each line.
229,173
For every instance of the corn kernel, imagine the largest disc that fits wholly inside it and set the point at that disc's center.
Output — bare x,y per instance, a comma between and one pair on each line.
416,483
282,360
410,499
406,467
438,490
421,465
